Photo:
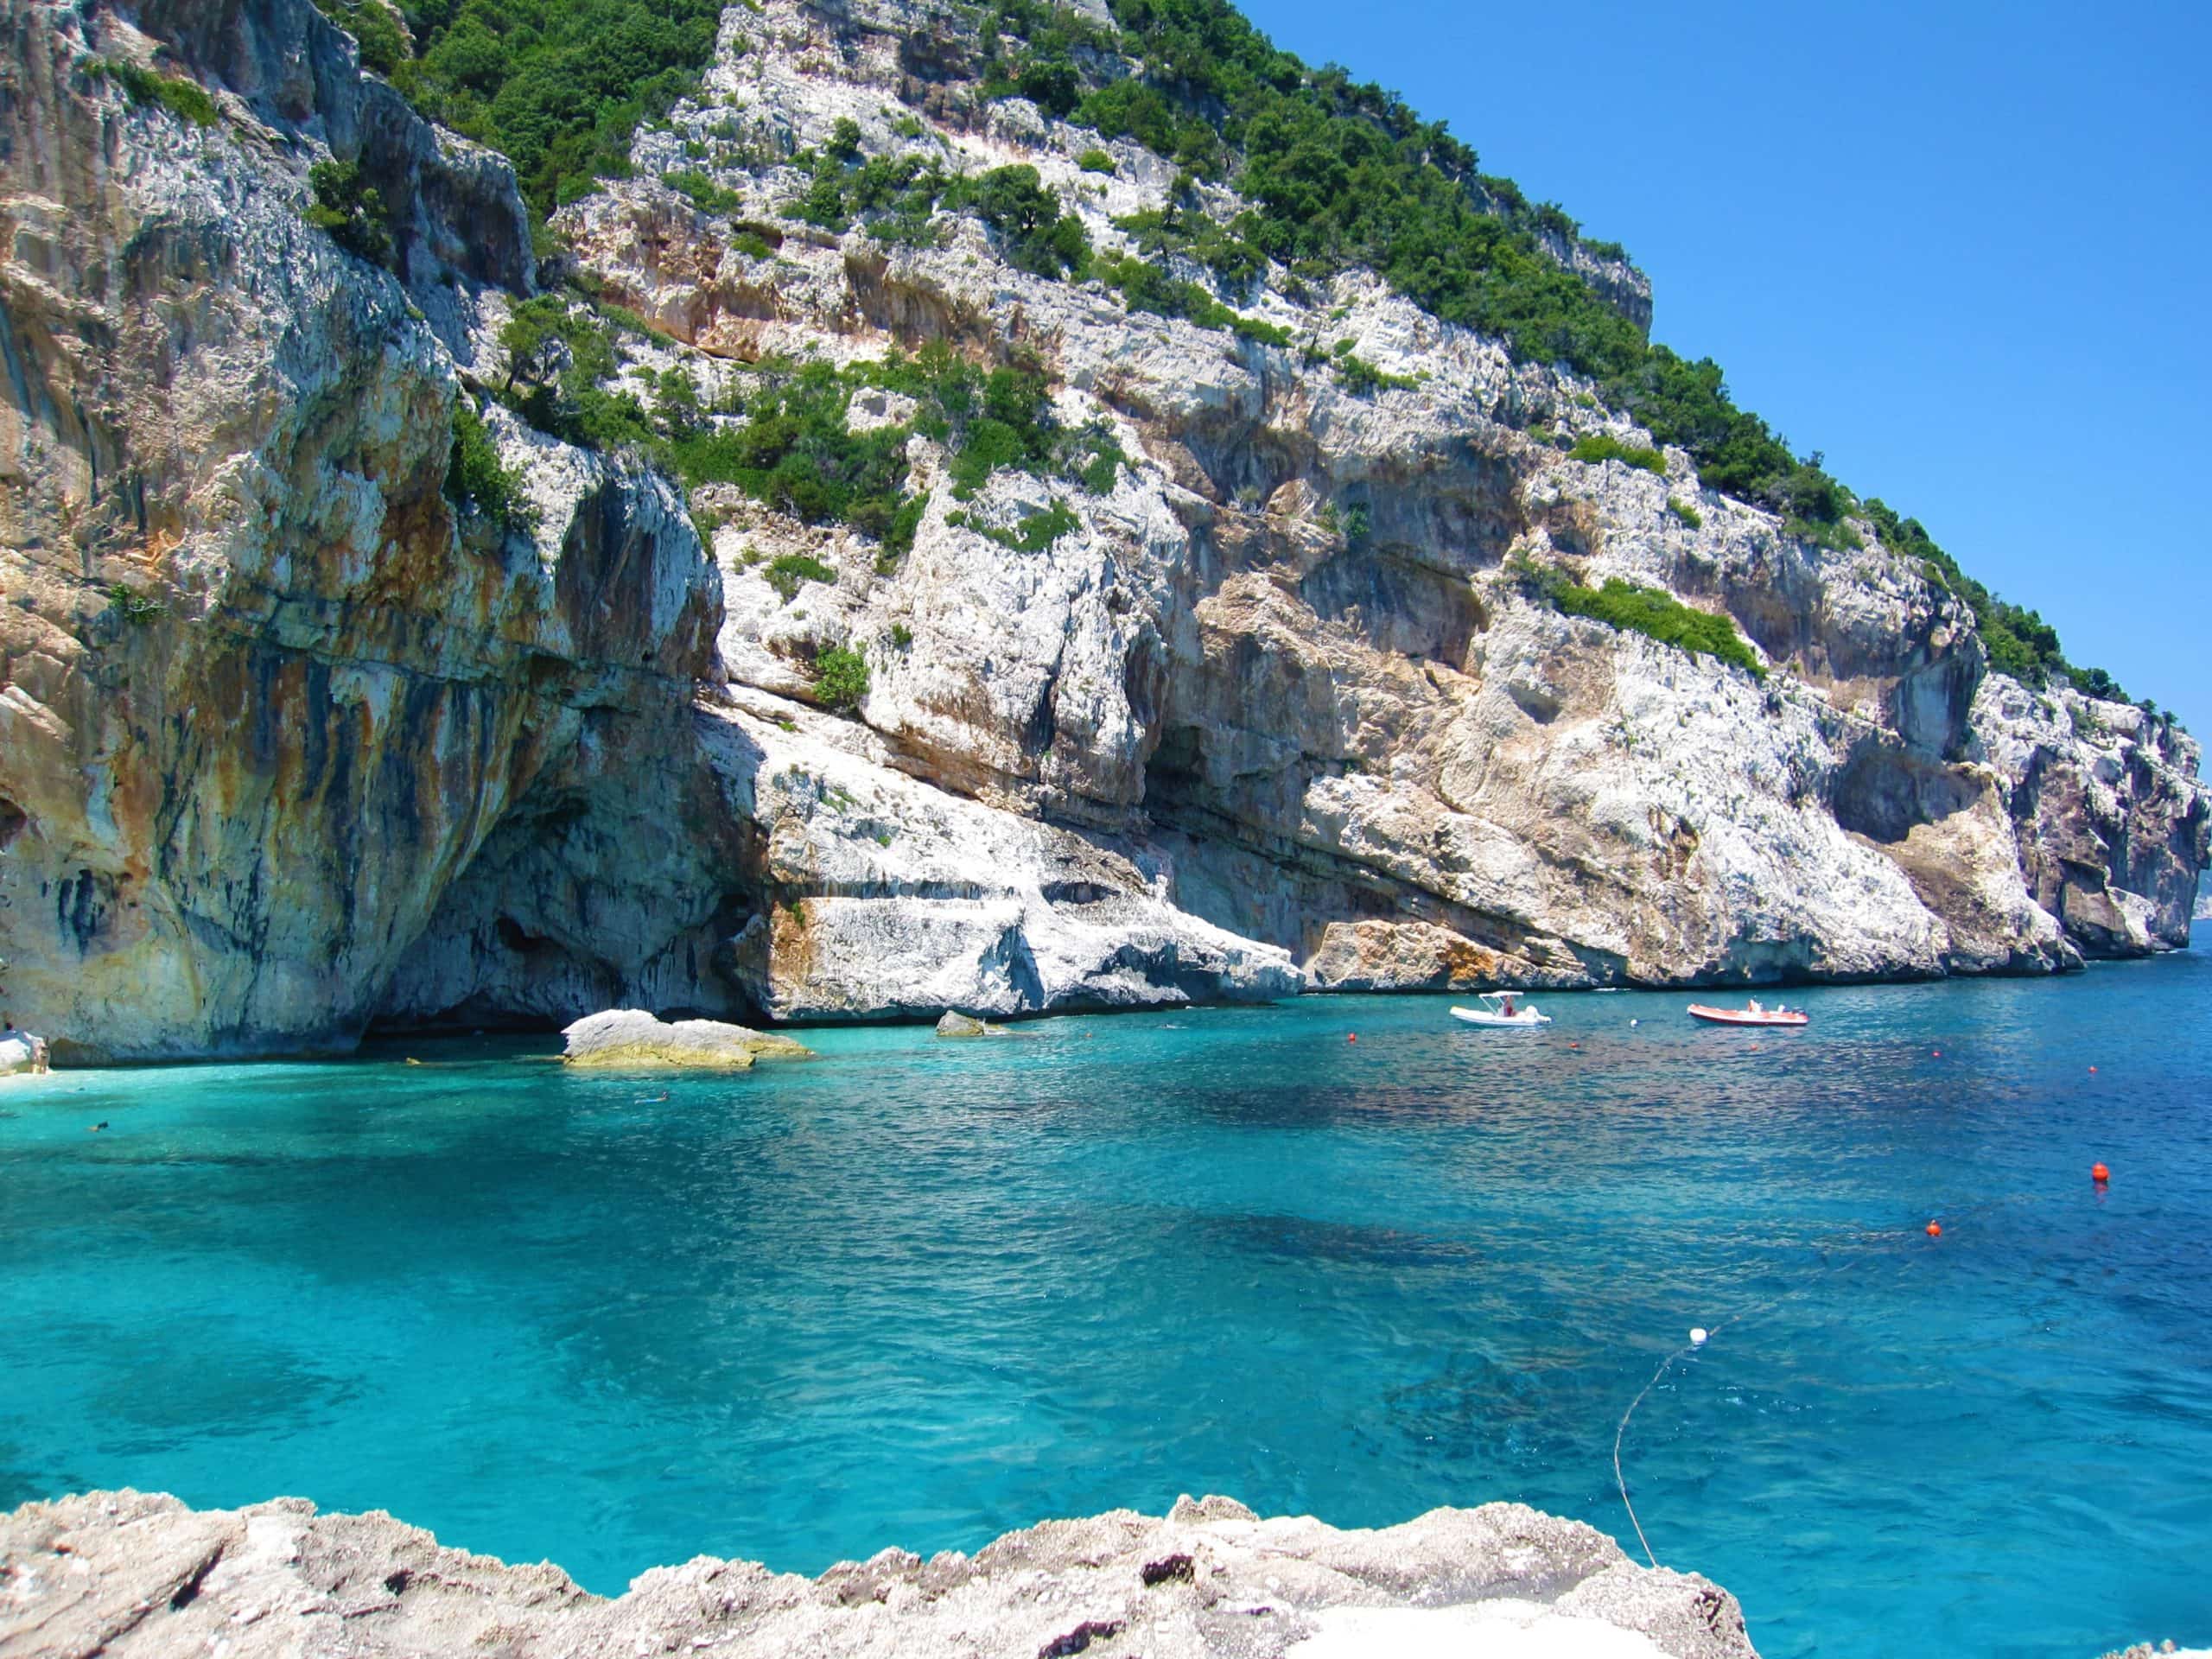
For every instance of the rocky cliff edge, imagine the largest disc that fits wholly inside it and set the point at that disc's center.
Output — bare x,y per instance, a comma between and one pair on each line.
141,1576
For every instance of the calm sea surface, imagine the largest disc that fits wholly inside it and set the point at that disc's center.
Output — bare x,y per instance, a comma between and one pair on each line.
918,1292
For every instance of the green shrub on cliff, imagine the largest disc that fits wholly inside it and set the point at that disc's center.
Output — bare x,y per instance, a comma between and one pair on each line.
894,196
560,358
706,195
185,99
1363,379
794,450
1034,234
134,609
350,210
476,479
841,678
786,572
1595,447
1036,532
1660,616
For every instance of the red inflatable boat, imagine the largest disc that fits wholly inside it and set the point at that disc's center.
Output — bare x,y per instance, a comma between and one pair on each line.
1754,1015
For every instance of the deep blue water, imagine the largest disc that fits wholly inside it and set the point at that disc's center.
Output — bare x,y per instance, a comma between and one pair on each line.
918,1293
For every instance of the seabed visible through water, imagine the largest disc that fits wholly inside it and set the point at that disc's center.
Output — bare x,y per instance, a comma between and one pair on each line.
918,1293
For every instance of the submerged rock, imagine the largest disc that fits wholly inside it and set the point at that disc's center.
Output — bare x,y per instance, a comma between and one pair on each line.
139,1575
633,1037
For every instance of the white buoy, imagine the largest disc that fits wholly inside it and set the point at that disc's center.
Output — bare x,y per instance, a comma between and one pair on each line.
1697,1336
1636,1022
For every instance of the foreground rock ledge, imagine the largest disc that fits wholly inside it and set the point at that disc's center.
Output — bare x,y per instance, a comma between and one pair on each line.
133,1573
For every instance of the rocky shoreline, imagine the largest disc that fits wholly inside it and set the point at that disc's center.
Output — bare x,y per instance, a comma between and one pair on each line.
142,1576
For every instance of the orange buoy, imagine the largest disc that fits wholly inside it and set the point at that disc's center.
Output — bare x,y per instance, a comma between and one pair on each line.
2093,1068
1934,1230
1351,1036
1938,1053
2099,1173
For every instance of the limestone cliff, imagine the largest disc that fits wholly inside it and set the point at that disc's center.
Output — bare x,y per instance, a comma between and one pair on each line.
294,737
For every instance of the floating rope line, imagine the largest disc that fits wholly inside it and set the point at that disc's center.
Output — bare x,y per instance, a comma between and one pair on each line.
1857,1236
1621,1432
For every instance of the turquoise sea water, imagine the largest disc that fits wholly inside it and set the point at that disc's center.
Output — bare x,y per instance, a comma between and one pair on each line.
917,1292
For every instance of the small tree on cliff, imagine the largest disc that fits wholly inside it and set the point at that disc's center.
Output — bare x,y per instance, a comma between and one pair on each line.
350,210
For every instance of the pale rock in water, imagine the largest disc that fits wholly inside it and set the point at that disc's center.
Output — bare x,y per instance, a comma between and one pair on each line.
632,1036
952,1023
22,1055
290,743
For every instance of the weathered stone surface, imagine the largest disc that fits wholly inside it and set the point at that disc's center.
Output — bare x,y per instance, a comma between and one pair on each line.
2111,817
632,1036
883,894
140,1576
1282,709
230,802
952,1023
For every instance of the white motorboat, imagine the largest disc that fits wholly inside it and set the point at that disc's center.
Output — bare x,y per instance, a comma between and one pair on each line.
1499,1008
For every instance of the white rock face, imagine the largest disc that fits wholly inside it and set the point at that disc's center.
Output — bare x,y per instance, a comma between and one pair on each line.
981,910
142,1577
22,1055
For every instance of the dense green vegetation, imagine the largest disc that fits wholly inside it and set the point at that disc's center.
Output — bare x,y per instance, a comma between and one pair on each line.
1361,378
1033,233
1145,286
555,85
841,677
475,479
185,99
559,358
793,451
1659,615
706,195
351,210
786,438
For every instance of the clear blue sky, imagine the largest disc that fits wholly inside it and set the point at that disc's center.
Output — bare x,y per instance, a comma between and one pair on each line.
1964,249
